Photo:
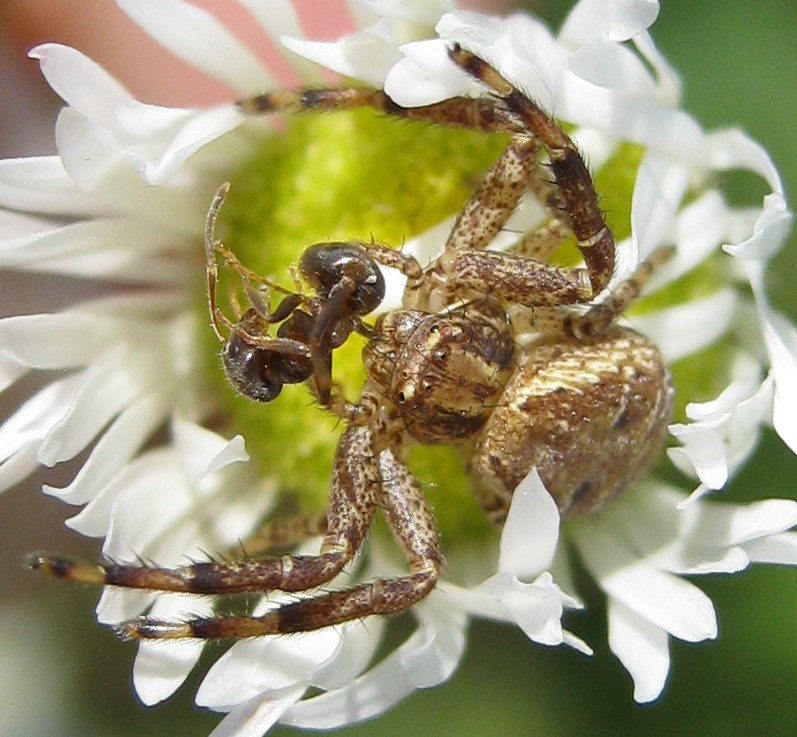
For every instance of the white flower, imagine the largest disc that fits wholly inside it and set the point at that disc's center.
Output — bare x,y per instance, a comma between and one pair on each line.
124,202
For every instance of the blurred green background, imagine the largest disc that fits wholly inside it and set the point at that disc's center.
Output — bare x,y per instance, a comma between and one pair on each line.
62,675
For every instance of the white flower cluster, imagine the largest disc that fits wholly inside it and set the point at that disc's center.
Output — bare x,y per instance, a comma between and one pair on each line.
124,200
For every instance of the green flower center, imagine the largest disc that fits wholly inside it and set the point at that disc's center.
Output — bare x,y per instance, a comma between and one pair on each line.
357,175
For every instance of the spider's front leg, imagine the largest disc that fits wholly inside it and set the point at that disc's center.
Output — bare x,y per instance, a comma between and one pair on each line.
412,524
579,201
353,498
466,270
362,479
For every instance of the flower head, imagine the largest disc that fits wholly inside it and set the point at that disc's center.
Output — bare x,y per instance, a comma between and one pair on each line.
124,202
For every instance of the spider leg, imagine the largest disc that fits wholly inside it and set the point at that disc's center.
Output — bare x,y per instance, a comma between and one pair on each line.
411,522
541,242
284,532
580,201
462,112
599,317
496,197
353,497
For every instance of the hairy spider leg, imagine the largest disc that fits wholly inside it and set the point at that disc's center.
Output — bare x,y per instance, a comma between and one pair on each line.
252,330
282,532
599,317
580,201
381,479
352,502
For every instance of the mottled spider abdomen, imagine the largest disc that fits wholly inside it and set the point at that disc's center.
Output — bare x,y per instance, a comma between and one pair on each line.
590,414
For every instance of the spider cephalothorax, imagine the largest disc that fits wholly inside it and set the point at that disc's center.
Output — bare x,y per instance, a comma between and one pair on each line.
536,375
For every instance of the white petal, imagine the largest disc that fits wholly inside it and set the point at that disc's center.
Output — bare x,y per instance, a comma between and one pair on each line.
725,431
726,524
204,451
746,379
438,657
118,605
426,75
780,549
55,341
370,695
41,184
107,386
519,45
121,511
622,114
366,56
117,446
705,450
663,599
700,228
14,225
100,166
577,643
607,64
99,247
267,666
18,464
734,149
674,537
669,83
360,13
641,647
82,83
381,687
37,415
202,128
708,319
659,189
255,717
359,642
536,608
161,668
195,35
781,342
420,12
531,530
10,371
769,231
619,20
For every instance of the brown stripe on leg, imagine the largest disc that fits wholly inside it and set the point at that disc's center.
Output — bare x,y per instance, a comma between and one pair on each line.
381,597
412,523
579,199
460,112
353,496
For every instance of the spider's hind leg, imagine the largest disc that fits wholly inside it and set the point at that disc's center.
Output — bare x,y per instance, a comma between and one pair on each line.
411,521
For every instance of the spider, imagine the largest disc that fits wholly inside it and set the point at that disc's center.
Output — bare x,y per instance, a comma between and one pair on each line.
502,354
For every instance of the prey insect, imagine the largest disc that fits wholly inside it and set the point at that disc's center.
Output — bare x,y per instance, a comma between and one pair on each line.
517,362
